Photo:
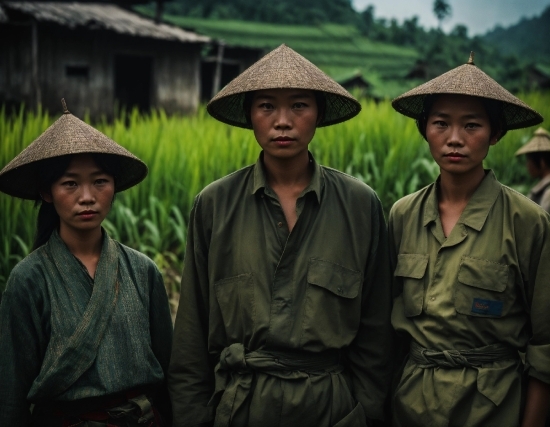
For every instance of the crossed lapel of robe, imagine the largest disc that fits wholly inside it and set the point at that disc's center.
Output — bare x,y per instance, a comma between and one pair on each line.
79,320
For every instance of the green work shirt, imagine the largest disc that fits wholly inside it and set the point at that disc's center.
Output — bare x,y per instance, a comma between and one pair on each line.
65,336
486,283
324,286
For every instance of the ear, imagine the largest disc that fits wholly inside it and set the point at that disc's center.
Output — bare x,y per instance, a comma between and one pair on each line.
47,197
495,138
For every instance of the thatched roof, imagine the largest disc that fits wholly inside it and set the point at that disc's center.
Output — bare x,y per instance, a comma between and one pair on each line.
100,16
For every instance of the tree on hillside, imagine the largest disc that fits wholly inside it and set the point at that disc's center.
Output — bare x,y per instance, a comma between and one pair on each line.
442,10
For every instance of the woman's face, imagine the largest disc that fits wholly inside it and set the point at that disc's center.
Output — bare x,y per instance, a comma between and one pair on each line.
284,121
82,196
459,134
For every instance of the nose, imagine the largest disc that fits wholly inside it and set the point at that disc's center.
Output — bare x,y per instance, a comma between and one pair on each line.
87,195
283,119
455,137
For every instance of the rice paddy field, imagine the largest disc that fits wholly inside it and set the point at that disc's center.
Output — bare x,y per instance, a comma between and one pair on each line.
379,147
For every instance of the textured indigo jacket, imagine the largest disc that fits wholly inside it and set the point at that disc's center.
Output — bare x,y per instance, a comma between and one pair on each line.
65,336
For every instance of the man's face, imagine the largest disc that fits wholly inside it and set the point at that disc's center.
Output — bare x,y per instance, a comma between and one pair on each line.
284,121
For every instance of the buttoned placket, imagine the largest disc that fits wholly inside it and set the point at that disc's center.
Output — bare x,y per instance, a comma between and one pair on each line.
434,288
282,286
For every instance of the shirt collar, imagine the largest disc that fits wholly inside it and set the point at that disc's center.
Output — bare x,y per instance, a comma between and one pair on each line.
478,207
316,184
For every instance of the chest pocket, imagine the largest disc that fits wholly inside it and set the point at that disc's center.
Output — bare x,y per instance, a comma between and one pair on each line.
484,288
412,269
333,304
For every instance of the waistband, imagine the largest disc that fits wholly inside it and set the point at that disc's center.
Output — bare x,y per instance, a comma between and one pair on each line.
235,371
133,405
236,358
475,357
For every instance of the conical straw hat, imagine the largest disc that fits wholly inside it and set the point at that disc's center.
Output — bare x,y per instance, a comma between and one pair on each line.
67,135
468,80
539,142
282,68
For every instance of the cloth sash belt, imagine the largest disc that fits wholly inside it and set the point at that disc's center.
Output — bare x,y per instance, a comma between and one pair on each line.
235,371
127,409
472,358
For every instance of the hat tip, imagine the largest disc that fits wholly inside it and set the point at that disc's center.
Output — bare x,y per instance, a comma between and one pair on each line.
471,58
64,105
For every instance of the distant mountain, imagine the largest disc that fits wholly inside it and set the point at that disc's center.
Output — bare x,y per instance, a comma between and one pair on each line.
528,39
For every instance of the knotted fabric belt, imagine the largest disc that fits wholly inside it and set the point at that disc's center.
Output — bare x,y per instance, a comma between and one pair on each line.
235,371
472,358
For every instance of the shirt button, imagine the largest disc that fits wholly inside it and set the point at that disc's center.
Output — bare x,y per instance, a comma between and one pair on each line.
279,224
432,299
340,290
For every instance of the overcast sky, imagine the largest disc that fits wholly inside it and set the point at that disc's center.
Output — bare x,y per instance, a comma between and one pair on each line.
478,15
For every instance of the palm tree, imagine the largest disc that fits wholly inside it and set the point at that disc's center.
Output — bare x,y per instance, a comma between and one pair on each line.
441,9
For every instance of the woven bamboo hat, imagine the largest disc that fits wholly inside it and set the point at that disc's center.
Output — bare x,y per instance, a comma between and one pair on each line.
468,79
67,135
282,68
539,142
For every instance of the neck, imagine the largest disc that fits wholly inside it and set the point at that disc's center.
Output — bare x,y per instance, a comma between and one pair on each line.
82,244
459,188
288,172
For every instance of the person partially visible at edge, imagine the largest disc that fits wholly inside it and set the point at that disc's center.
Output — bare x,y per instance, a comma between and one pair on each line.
471,268
537,152
85,326
284,313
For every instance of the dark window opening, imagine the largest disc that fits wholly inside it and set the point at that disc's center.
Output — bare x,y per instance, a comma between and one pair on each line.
82,71
133,81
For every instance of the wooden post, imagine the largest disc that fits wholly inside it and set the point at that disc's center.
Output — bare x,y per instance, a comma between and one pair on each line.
218,71
34,60
159,10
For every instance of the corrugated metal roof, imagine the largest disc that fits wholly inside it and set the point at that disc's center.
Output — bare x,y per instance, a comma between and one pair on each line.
98,16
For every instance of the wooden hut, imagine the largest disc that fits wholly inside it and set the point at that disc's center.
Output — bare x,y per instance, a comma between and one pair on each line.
96,56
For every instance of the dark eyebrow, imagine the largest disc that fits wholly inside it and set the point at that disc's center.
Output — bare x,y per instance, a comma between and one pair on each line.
75,175
466,116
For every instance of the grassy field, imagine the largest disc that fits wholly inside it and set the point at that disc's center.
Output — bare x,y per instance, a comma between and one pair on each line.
184,154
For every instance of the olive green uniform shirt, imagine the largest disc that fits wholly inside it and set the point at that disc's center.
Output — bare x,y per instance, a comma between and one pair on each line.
486,283
324,286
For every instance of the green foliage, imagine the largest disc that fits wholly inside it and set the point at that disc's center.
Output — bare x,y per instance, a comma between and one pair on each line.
287,11
184,154
528,39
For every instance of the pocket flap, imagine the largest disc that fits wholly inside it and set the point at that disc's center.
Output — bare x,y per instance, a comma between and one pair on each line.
483,274
411,265
333,277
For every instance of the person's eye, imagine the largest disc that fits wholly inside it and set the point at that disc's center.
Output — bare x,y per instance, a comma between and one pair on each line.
472,125
299,105
68,184
266,106
101,181
439,123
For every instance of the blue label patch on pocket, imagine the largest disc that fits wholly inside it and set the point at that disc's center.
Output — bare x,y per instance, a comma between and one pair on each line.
487,307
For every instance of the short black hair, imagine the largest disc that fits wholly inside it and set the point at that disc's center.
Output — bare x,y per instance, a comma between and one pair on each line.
492,107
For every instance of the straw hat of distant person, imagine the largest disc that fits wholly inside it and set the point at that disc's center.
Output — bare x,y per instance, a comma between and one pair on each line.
67,135
539,143
282,68
468,79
